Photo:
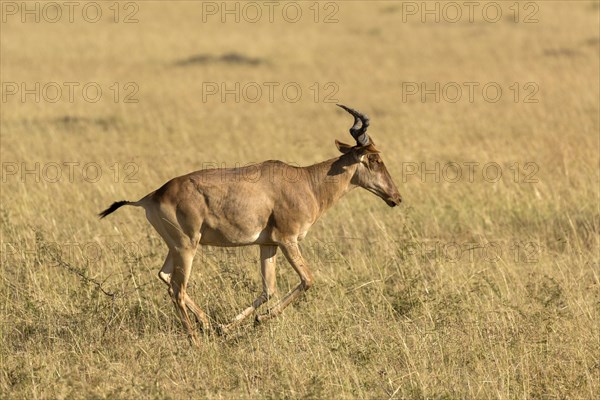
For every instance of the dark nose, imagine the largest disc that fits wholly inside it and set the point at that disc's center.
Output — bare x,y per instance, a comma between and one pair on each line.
394,201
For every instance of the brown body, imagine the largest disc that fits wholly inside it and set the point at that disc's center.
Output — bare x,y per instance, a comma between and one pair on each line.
270,204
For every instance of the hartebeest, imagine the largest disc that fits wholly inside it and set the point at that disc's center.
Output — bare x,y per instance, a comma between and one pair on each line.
274,209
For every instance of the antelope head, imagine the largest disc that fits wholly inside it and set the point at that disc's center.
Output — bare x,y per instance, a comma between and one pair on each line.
371,173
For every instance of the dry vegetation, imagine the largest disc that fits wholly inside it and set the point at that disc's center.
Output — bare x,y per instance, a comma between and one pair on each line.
83,314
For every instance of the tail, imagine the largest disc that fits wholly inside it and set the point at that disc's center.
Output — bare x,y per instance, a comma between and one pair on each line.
116,205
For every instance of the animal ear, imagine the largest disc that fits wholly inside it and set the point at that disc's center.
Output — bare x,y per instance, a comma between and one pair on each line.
368,149
343,147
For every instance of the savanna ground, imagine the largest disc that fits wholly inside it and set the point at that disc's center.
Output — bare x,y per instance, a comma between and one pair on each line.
475,287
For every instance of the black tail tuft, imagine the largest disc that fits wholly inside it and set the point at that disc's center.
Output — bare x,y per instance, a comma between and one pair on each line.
113,208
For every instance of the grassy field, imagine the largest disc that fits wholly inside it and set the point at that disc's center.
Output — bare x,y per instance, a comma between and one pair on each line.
477,286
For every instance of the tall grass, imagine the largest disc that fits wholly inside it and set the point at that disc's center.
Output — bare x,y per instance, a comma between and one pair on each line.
471,289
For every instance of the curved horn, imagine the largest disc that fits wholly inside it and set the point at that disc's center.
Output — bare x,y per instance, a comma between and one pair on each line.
358,133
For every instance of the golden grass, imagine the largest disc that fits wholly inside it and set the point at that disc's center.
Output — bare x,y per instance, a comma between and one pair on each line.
397,311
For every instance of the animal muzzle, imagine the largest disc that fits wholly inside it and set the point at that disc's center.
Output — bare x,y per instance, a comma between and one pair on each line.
394,201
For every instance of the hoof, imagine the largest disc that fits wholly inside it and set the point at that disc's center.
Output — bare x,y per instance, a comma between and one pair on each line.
260,318
207,330
194,341
222,330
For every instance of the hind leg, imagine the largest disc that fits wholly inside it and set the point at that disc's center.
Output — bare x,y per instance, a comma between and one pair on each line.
165,274
182,267
179,226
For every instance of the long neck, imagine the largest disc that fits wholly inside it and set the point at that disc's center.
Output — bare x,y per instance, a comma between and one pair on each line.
330,180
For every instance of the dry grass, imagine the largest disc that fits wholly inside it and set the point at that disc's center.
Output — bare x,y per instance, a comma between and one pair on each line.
391,314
